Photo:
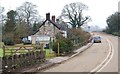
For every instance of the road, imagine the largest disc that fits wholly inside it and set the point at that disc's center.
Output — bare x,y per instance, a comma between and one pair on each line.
112,65
101,57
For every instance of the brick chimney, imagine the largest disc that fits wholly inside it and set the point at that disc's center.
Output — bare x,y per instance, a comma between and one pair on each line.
48,16
57,20
53,18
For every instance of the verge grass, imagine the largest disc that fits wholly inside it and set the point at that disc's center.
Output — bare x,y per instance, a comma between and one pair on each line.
49,53
1,52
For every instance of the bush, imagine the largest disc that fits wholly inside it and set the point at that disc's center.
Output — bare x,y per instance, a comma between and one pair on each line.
65,46
116,33
75,38
78,36
8,41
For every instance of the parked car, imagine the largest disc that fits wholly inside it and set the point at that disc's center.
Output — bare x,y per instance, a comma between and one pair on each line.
96,39
27,40
46,46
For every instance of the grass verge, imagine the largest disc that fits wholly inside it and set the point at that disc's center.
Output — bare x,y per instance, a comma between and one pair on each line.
1,52
49,53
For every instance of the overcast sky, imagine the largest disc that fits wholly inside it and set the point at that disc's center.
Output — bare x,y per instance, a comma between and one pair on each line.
99,10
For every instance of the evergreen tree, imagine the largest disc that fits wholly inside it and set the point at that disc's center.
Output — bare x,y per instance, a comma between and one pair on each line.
10,28
113,22
35,27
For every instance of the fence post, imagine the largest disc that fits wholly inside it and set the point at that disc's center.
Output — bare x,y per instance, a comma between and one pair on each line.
11,51
58,49
3,50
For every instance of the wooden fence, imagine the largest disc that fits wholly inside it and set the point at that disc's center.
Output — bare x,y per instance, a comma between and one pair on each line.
15,49
10,63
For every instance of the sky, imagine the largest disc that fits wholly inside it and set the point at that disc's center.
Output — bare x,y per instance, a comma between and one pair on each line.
98,10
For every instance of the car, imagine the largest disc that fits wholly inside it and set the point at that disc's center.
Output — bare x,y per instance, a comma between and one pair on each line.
27,42
97,39
46,46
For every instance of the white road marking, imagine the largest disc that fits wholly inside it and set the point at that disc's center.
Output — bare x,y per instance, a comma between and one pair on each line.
111,55
107,59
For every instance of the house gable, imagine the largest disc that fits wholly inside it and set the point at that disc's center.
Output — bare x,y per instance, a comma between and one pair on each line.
48,27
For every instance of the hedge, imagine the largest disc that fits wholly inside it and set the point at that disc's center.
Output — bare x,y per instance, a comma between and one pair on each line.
65,46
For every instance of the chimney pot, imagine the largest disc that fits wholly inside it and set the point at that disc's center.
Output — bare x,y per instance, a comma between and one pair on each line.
48,16
53,18
57,20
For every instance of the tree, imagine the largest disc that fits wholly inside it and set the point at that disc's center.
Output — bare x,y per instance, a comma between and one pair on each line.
21,30
10,22
10,27
1,21
35,27
27,12
74,13
1,15
113,22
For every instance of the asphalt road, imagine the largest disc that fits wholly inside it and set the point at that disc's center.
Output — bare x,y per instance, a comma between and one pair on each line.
92,58
112,65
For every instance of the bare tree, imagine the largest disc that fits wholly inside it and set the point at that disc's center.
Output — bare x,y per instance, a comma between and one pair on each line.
26,16
74,13
27,12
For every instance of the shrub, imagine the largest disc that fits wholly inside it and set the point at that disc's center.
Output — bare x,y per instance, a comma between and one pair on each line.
75,38
65,46
78,36
8,41
116,33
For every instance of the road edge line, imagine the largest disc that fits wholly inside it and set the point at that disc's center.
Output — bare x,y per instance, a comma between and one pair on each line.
106,60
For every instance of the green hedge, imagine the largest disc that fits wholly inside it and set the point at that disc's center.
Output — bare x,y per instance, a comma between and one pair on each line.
65,46
116,33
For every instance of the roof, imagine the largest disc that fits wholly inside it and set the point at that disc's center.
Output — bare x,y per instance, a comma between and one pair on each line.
54,23
61,26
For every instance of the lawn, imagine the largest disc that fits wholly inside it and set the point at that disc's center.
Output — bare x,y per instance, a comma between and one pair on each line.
1,44
49,53
1,52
